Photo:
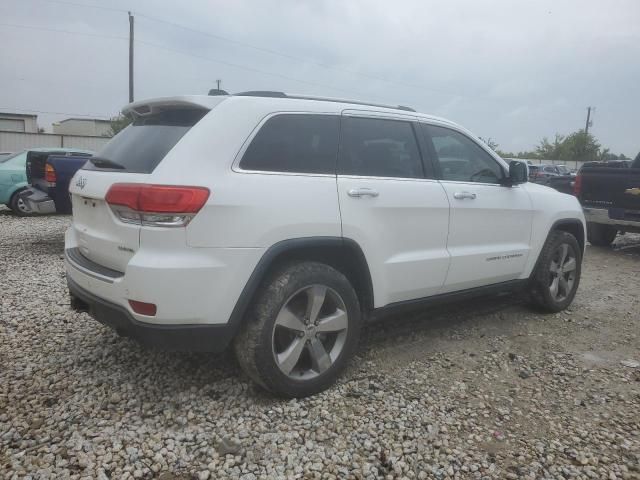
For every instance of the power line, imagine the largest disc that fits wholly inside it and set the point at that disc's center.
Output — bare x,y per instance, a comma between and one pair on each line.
262,49
86,5
182,52
243,67
27,110
292,57
58,30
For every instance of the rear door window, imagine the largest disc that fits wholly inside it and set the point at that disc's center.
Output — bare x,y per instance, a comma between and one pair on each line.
141,146
377,147
297,143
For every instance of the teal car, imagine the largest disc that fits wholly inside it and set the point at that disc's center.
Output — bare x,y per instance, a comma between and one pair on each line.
13,177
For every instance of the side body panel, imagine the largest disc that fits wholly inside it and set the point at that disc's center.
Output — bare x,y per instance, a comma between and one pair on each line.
489,235
12,177
402,232
549,208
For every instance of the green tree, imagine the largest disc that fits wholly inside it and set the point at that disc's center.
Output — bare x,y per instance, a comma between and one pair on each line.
118,123
580,146
547,150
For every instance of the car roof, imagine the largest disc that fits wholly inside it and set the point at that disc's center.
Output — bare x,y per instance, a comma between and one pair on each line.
278,101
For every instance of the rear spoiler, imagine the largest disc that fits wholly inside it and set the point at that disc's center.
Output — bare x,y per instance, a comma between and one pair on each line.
147,107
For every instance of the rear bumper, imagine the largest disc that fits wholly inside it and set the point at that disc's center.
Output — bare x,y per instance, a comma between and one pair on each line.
38,201
601,216
184,338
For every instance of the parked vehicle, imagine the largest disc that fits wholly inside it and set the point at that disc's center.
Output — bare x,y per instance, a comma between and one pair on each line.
49,177
279,224
13,177
534,171
610,195
558,177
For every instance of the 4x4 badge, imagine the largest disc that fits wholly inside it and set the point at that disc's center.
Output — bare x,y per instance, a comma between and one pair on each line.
81,182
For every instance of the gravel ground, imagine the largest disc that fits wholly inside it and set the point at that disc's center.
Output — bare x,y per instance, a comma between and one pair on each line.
486,389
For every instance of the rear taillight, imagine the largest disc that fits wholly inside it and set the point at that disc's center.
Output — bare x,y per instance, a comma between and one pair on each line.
49,173
156,205
577,185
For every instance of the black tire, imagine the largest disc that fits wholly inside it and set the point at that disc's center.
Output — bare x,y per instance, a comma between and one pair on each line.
16,205
601,235
255,345
543,277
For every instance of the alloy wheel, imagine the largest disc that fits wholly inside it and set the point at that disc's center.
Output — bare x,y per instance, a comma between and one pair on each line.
309,332
563,272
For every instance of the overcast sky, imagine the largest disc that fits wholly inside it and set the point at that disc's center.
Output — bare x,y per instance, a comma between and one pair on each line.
514,71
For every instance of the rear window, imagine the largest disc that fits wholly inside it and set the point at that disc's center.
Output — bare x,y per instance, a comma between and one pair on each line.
298,143
141,146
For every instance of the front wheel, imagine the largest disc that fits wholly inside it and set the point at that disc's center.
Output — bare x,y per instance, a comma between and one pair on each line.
301,331
556,277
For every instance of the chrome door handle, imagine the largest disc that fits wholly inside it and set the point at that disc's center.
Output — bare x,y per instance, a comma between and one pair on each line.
463,195
362,192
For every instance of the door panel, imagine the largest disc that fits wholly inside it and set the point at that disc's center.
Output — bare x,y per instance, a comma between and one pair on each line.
402,232
399,218
490,224
489,235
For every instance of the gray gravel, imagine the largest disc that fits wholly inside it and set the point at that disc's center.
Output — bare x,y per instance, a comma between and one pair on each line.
481,390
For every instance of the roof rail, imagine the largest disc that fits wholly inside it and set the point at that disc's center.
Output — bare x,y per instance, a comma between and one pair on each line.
267,93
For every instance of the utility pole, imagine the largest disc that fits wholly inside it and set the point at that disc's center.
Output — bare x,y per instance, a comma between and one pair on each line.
588,124
130,57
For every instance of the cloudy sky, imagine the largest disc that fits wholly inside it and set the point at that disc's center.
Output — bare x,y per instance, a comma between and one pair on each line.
511,70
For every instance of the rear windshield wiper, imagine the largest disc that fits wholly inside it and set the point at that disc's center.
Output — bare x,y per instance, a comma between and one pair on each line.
105,163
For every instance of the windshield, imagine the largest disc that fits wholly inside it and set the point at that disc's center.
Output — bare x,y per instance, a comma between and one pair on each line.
141,146
16,158
5,157
563,170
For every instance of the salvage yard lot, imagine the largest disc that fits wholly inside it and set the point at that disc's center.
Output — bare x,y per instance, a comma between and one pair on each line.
485,389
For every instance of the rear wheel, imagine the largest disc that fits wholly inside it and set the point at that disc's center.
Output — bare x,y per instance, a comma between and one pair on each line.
18,206
301,331
601,235
557,275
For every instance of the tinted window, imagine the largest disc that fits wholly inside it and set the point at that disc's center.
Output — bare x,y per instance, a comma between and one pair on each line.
461,159
141,146
295,143
379,148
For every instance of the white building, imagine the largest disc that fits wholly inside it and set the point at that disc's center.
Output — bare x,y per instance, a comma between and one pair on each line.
93,127
18,122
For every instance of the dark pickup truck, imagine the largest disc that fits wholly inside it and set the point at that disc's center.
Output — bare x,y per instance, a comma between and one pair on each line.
49,176
610,196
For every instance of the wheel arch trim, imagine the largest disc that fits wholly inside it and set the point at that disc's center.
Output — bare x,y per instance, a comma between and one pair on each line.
582,238
272,255
563,222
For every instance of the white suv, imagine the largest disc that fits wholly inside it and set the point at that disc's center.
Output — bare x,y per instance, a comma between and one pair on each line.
279,224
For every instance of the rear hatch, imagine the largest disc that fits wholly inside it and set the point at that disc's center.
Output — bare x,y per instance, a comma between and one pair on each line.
130,157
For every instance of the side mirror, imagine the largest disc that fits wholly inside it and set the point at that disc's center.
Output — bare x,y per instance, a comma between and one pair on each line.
518,173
